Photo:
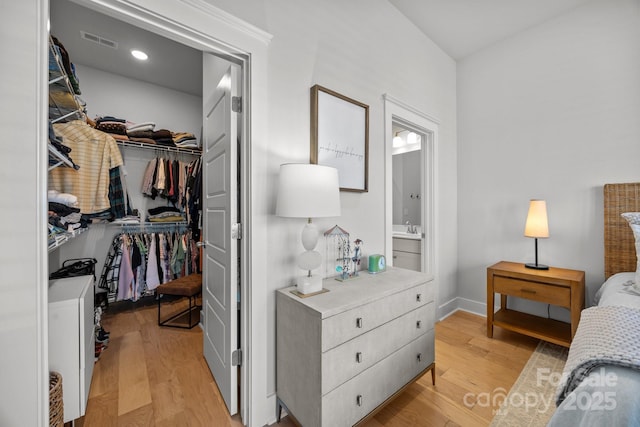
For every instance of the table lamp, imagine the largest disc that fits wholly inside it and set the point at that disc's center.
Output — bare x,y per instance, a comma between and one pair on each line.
537,227
308,191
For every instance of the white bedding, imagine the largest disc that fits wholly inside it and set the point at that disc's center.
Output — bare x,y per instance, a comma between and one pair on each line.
618,290
607,394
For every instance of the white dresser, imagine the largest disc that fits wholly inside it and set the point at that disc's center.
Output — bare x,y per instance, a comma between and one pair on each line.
343,353
71,340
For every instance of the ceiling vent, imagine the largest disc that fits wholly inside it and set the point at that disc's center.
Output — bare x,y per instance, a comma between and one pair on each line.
99,40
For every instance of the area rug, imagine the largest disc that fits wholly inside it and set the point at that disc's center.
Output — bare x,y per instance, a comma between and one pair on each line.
531,400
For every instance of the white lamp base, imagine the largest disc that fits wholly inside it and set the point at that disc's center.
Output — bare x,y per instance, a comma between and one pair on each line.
308,285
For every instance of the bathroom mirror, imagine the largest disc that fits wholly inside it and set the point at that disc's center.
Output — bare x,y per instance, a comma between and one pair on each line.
407,188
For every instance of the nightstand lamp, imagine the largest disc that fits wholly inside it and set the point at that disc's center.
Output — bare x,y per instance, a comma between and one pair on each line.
308,191
537,227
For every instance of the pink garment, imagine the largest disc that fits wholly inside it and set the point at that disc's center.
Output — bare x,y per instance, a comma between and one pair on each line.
125,277
152,265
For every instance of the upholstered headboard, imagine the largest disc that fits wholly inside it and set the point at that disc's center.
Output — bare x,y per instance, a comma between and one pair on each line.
619,244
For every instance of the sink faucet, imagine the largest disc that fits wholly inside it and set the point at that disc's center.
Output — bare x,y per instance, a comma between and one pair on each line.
411,228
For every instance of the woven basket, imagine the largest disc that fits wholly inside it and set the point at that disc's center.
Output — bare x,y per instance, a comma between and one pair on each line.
56,405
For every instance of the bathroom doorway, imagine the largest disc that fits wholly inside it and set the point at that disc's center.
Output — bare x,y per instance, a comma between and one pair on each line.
410,187
407,172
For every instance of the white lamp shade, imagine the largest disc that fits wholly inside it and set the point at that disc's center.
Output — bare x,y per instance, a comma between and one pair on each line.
537,224
308,191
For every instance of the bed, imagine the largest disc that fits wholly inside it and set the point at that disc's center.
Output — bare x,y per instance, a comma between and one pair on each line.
600,384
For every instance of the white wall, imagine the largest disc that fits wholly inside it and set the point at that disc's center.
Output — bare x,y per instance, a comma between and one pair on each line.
24,371
551,113
361,49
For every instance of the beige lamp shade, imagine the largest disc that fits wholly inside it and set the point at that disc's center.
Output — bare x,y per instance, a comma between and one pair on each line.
537,224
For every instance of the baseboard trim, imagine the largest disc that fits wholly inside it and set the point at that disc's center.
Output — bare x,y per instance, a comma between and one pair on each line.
461,304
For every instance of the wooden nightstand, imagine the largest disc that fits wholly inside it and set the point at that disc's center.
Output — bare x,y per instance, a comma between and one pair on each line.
556,286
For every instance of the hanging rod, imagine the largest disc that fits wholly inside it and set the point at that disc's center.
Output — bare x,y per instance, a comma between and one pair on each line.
141,145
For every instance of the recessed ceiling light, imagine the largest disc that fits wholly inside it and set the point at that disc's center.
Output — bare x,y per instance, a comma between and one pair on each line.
138,54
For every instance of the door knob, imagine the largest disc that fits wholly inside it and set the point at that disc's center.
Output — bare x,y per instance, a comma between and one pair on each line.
201,244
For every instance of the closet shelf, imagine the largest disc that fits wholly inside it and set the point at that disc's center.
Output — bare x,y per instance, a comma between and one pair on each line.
153,226
63,103
57,240
58,158
143,146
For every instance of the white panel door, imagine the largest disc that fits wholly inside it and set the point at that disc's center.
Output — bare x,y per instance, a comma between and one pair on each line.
220,211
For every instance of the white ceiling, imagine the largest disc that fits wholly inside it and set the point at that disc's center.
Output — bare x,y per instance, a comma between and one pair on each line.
170,64
459,27
462,27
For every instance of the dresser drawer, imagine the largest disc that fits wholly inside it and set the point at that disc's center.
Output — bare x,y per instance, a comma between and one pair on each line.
349,324
349,359
547,293
353,400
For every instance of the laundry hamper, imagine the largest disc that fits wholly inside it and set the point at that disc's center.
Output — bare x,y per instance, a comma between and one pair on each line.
56,405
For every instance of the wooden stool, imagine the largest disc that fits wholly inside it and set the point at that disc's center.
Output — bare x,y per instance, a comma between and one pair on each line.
188,286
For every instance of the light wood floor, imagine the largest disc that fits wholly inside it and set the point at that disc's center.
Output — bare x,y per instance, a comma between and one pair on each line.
152,376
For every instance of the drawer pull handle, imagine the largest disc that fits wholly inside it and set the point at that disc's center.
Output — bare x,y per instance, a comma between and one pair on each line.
528,291
419,324
419,297
419,357
359,322
359,357
359,400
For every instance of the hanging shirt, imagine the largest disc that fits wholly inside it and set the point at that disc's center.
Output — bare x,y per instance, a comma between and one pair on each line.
147,180
159,184
96,153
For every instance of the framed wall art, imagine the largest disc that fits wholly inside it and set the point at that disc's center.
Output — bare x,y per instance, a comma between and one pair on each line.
340,137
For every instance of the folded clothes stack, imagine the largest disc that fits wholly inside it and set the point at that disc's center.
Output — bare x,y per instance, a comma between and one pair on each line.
163,137
114,126
137,127
143,136
185,140
144,132
165,214
62,198
63,218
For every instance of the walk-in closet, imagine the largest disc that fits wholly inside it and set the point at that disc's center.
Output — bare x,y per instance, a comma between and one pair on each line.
125,186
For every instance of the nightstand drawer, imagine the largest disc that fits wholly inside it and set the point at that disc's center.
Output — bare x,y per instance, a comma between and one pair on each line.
542,292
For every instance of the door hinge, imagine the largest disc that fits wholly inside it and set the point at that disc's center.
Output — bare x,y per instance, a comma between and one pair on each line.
236,358
236,104
236,231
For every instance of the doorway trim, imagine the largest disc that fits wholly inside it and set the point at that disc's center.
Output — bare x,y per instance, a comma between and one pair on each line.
396,111
209,29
